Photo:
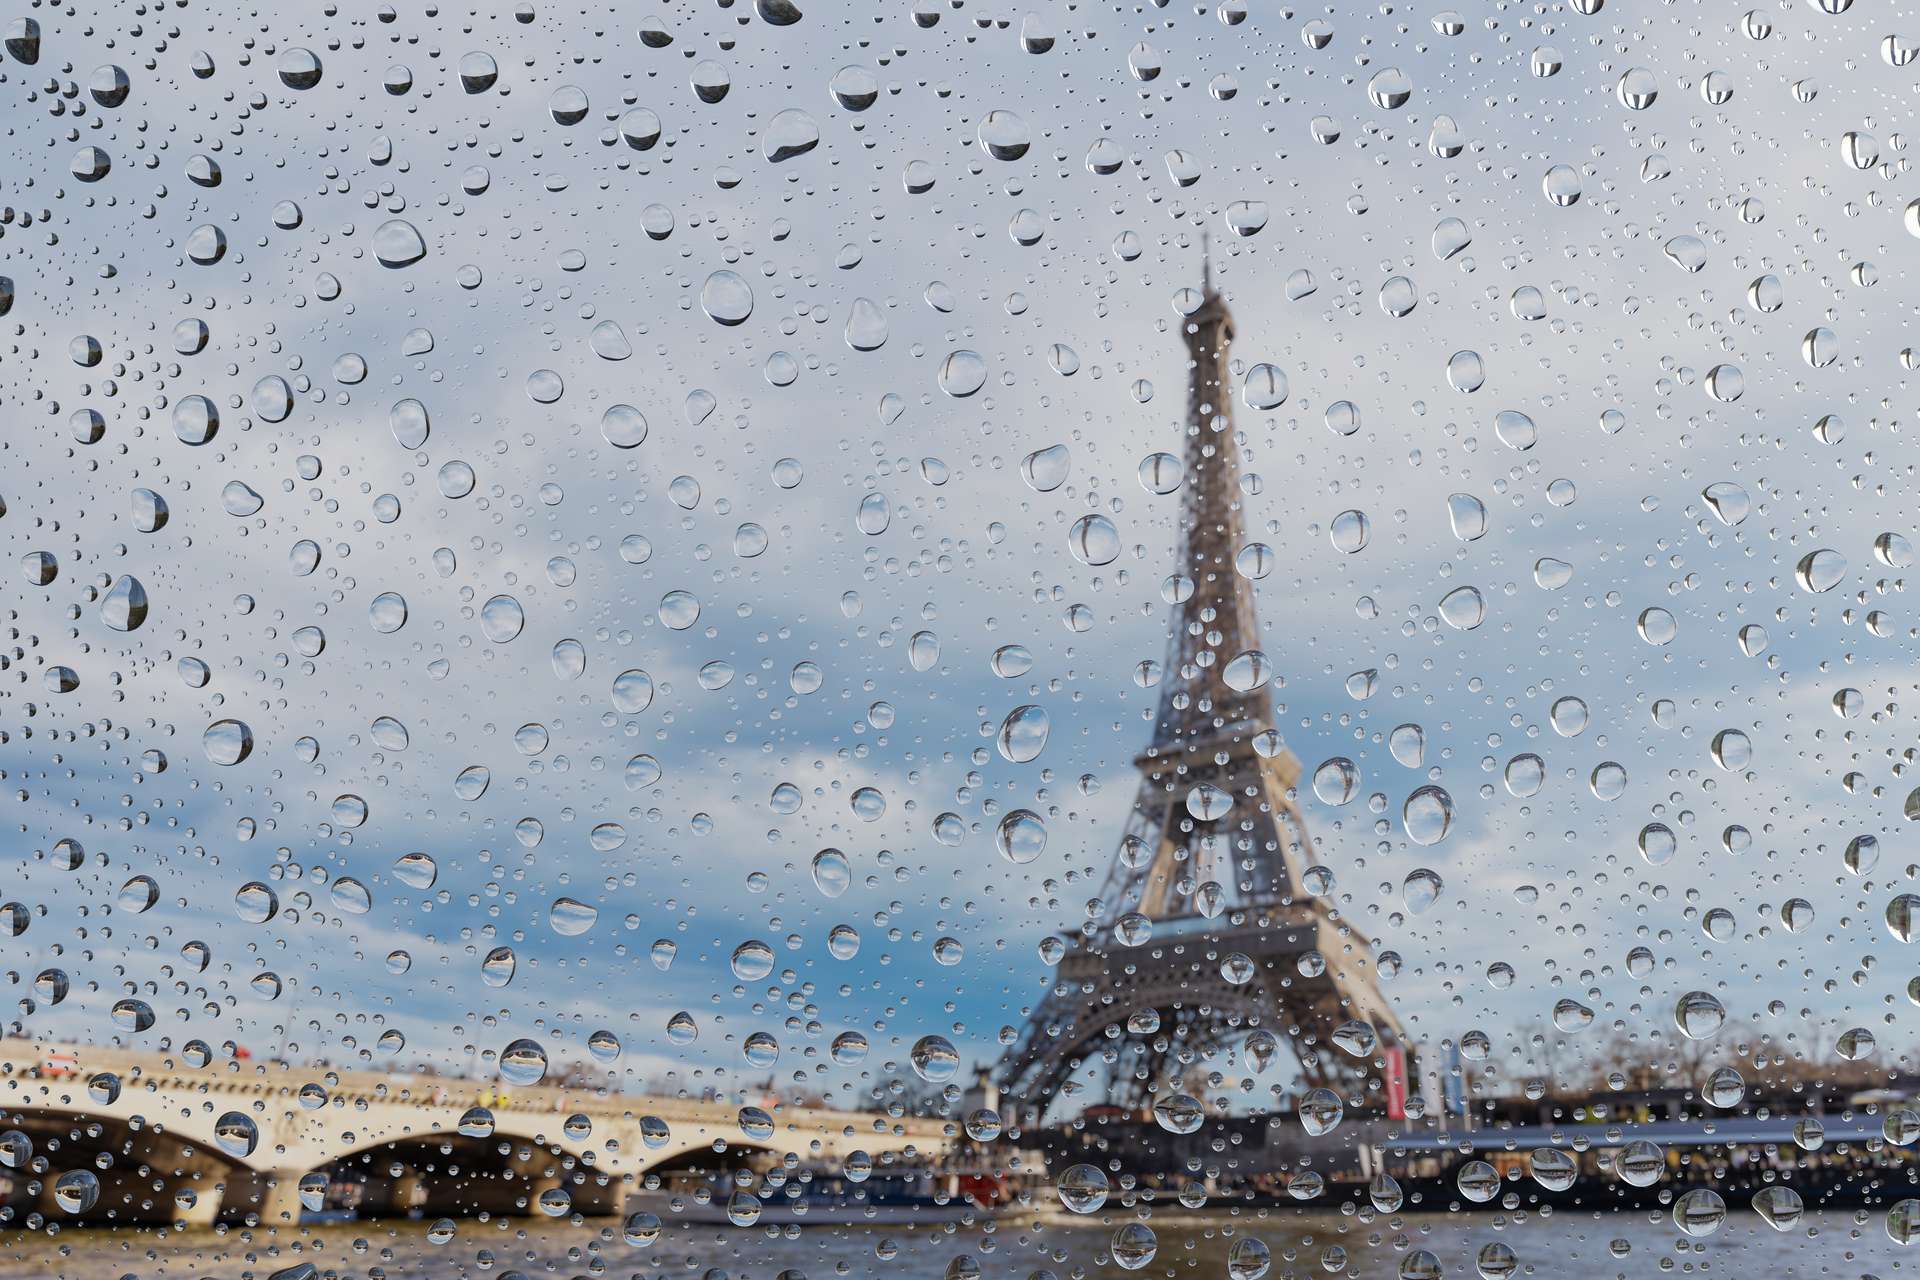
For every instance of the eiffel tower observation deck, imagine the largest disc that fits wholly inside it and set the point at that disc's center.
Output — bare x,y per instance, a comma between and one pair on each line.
1210,950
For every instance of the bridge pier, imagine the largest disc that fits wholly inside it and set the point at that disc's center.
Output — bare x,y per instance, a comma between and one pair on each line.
204,1211
408,1191
537,1185
593,1199
271,1198
513,1192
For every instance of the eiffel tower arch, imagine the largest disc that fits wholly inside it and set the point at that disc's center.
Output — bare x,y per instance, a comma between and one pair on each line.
1206,932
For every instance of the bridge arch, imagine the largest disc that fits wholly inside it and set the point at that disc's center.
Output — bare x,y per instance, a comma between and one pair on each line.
1195,1010
444,1126
157,1115
516,1170
142,1173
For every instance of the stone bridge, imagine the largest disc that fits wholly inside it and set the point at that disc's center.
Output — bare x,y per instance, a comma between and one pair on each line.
168,1141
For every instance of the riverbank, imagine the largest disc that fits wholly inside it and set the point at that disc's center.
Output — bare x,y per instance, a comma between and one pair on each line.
1299,1242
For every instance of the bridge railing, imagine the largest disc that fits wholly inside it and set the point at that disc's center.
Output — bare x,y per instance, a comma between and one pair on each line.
51,1063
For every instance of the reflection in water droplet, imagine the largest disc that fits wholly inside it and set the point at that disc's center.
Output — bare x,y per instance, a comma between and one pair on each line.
1820,571
124,607
1699,1015
866,328
501,619
1046,469
227,742
1428,815
1408,745
1320,1111
1732,749
727,298
1336,781
1350,531
874,515
1023,734
1004,135
523,1063
962,373
623,426
1568,716
791,133
632,692
1525,774
1094,540
571,918
398,243
1463,608
1550,574
679,610
1699,1212
1515,429
1656,626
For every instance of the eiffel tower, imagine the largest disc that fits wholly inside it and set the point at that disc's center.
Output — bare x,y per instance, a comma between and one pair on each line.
1206,934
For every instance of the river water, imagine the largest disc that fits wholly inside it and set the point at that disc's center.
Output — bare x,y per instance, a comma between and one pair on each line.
1589,1246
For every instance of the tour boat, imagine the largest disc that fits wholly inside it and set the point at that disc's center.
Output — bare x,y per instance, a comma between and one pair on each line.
825,1199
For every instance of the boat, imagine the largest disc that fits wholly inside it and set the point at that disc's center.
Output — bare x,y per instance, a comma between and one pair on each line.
823,1199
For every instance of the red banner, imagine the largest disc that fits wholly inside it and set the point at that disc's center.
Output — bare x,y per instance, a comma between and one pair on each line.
1396,1060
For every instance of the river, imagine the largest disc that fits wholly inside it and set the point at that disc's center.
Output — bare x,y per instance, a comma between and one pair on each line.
1832,1243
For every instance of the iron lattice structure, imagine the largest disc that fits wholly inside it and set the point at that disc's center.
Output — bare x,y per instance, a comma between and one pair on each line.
1210,867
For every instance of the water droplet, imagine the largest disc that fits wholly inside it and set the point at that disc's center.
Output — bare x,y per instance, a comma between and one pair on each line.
1004,135
866,328
299,69
523,1063
1046,469
398,243
1247,671
1336,781
124,607
962,373
1726,383
789,134
1732,749
1408,745
874,515
1656,626
1094,540
1320,1111
1023,733
1021,836
1699,1212
501,619
934,1059
1082,1188
1463,608
1389,89
1350,531
727,298
227,742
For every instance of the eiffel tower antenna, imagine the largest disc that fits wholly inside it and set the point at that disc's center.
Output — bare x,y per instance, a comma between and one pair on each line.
1206,262
1207,937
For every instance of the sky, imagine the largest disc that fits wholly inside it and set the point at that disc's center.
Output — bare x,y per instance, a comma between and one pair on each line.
1707,293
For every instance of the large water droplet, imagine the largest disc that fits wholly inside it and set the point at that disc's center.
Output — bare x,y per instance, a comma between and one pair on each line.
1023,733
398,243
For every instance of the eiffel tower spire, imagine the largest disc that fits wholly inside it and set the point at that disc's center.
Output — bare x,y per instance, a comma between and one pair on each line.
1214,622
1204,932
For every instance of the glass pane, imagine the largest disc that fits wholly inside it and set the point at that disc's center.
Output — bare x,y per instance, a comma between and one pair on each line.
779,639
